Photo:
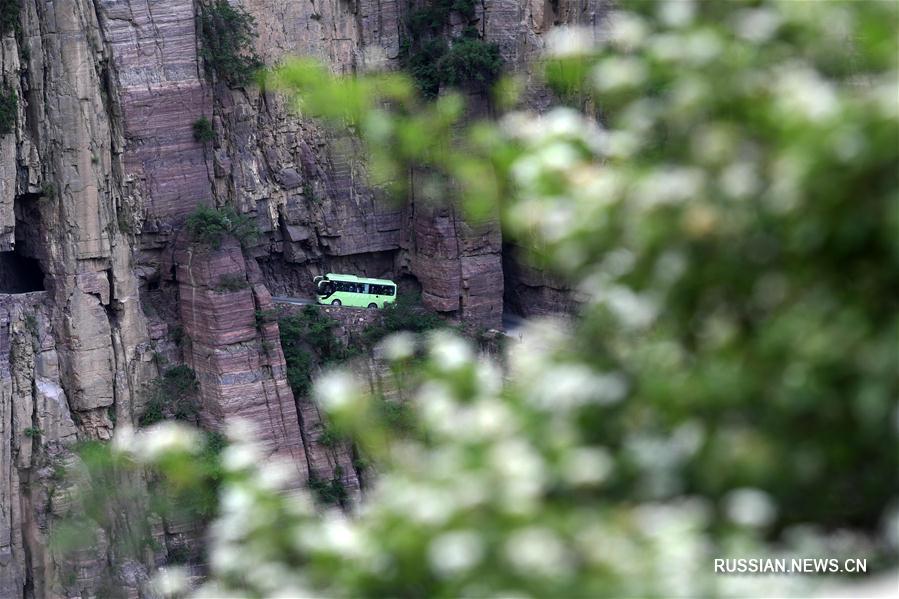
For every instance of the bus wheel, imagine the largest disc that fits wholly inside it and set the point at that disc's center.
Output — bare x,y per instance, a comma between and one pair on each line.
373,306
336,303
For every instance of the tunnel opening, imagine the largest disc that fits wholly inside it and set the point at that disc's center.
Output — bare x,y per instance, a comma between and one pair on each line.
20,274
20,268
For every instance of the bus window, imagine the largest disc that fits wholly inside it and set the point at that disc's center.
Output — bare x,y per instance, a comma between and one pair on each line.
381,290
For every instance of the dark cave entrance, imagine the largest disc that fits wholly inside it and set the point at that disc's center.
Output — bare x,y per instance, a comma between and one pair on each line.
20,269
20,274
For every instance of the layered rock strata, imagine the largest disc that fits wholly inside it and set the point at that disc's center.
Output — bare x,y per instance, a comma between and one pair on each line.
95,182
237,358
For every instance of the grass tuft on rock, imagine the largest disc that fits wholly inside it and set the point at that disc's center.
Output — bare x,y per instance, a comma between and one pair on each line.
209,226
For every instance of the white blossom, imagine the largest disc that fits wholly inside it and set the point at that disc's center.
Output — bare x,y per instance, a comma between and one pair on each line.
240,456
702,46
669,185
802,92
627,30
757,25
537,551
677,13
633,310
740,180
166,437
584,466
750,507
569,41
449,352
336,390
399,346
453,553
619,73
170,580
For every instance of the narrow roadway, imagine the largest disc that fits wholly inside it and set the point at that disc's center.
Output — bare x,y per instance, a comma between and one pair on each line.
512,323
297,301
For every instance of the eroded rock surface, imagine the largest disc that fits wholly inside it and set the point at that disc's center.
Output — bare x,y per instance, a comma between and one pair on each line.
95,183
239,363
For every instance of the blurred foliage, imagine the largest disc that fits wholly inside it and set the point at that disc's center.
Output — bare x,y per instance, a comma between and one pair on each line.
729,385
228,36
209,226
110,502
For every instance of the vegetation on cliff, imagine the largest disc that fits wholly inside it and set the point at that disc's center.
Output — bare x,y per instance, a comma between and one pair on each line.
9,16
405,314
308,342
203,132
435,62
9,106
172,396
227,38
209,226
723,391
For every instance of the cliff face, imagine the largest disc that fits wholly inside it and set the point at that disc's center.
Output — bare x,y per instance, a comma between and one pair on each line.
95,181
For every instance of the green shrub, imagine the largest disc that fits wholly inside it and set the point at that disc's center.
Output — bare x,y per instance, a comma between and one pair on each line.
299,371
329,437
433,63
424,66
308,339
232,282
48,190
153,411
9,105
316,330
396,415
209,226
174,395
227,34
264,316
470,61
405,314
329,492
32,432
309,192
203,132
177,335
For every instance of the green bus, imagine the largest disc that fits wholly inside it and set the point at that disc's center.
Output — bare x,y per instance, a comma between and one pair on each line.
350,290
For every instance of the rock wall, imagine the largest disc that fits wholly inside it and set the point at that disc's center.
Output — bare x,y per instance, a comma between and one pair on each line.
237,358
95,182
74,355
36,430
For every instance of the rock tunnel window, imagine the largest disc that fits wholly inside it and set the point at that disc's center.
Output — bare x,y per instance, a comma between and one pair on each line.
20,274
